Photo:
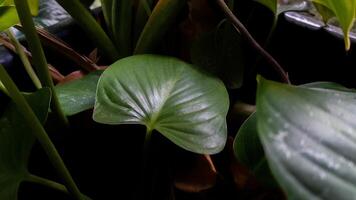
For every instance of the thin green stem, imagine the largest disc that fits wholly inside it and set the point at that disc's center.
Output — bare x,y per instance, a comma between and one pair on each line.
93,29
39,59
145,163
50,184
39,132
26,63
3,89
246,34
146,6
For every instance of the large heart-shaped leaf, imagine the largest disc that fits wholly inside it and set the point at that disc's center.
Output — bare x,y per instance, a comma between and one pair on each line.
344,11
220,52
8,13
309,138
78,95
185,105
16,142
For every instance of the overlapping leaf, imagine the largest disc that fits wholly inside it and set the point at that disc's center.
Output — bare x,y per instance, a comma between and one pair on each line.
8,13
220,52
344,11
16,142
309,137
166,94
248,150
78,95
277,8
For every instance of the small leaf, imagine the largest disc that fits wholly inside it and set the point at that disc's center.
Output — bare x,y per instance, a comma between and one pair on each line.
33,5
78,95
278,8
16,142
8,13
249,151
324,12
344,11
309,138
220,52
8,17
166,94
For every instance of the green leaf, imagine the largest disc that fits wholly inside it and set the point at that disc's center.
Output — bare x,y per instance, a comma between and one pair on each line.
220,52
166,94
33,4
8,17
344,11
249,151
78,95
8,13
16,142
162,18
309,138
324,12
277,8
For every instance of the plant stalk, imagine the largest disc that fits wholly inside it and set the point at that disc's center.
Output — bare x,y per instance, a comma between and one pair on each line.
145,163
89,25
39,59
50,184
39,132
244,32
3,89
161,19
26,63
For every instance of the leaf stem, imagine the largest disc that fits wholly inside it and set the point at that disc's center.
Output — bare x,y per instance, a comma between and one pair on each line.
93,29
39,59
50,184
26,63
146,6
3,89
244,32
145,162
39,132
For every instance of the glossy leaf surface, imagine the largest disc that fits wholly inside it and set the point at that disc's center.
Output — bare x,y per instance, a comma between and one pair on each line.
249,151
309,138
168,95
16,142
78,95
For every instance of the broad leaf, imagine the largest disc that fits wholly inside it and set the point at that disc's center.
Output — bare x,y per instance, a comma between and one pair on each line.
248,150
166,94
78,95
16,142
33,5
8,13
220,52
8,17
344,11
309,138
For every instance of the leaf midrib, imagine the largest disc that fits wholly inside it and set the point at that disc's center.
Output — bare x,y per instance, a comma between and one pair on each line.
153,119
